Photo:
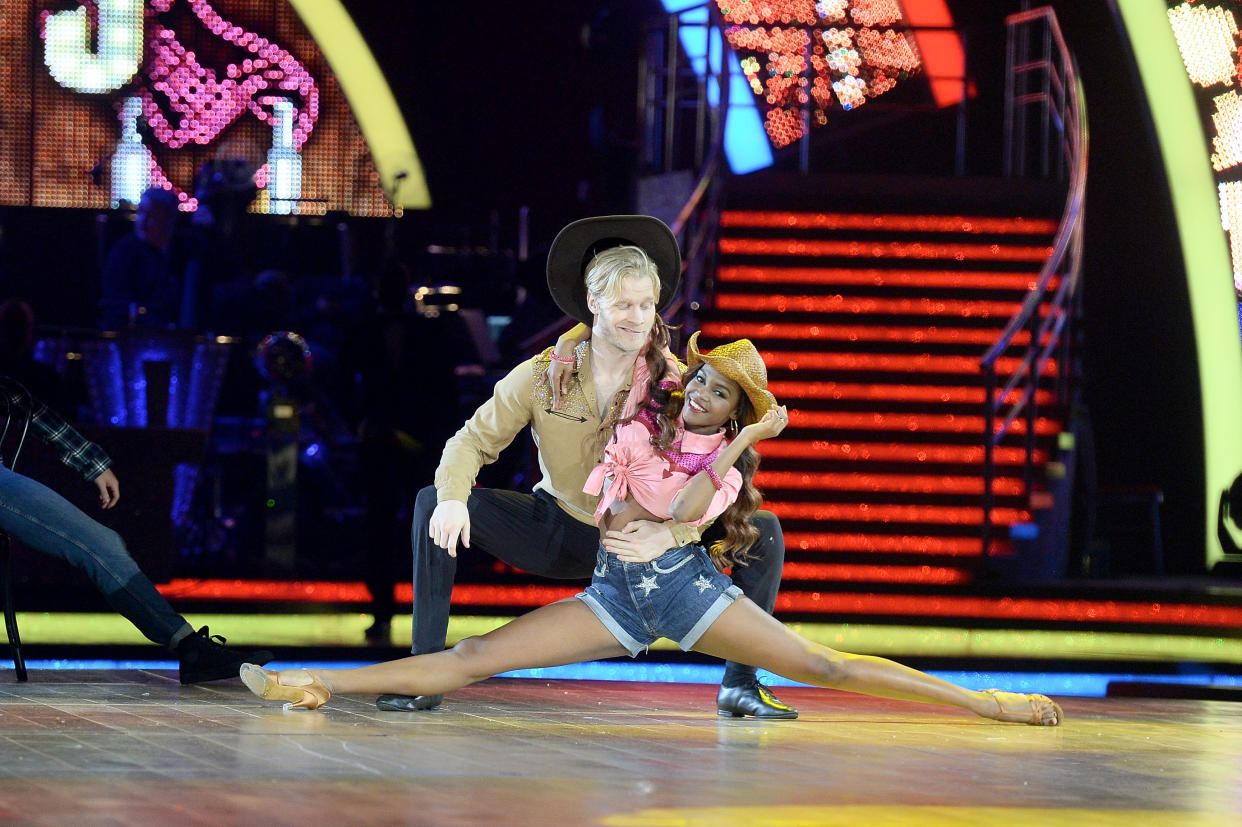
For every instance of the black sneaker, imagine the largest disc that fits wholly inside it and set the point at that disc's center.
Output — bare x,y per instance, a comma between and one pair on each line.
204,657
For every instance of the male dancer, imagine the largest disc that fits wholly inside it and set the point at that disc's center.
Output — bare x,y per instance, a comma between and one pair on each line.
551,532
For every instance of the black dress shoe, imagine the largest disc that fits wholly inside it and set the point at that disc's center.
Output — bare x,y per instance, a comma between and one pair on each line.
407,703
752,699
204,657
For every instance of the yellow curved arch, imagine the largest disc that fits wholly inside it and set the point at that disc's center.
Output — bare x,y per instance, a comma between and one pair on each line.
370,98
1205,250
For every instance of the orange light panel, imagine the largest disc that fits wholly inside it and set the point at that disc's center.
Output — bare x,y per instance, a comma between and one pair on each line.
877,277
891,513
885,249
923,575
777,219
830,542
858,333
898,483
823,450
865,304
789,600
897,362
893,393
1006,608
910,423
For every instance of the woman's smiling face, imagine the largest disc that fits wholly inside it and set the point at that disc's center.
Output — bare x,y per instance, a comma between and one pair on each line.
711,400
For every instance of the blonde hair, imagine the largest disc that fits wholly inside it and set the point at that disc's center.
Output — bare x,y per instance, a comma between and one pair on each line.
609,268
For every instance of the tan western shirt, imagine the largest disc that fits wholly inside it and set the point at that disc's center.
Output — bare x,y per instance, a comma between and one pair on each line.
565,438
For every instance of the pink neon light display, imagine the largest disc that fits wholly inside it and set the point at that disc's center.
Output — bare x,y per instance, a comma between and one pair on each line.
186,102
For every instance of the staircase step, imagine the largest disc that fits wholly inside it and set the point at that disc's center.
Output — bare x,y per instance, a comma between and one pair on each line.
901,305
954,515
870,305
862,573
878,277
992,225
914,453
910,423
853,542
913,364
887,393
891,483
767,332
946,251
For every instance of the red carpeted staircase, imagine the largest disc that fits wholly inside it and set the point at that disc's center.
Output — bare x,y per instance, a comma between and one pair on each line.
872,326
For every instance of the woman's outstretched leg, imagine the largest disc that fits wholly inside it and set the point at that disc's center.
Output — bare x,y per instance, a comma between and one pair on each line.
553,635
747,634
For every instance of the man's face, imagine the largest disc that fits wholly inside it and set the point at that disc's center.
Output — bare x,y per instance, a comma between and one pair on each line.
625,322
154,223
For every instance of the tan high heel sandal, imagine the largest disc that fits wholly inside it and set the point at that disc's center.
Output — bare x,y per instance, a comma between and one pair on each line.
300,689
1034,710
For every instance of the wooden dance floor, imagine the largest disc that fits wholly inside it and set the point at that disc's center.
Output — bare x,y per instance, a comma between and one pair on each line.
134,747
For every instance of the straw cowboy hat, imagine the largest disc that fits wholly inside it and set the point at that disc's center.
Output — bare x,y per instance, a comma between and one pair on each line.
741,362
579,242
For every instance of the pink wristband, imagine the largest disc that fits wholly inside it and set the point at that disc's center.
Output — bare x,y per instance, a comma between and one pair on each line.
715,478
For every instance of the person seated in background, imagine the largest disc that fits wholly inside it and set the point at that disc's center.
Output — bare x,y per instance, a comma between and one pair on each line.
140,285
43,520
17,340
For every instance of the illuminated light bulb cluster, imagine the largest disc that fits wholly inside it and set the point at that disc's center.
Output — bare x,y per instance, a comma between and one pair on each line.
784,126
831,10
1207,39
888,49
851,91
1227,142
844,60
767,12
213,75
813,63
1230,194
205,106
875,12
67,39
837,38
768,40
750,68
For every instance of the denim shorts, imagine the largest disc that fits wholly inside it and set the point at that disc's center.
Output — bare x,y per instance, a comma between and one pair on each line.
677,595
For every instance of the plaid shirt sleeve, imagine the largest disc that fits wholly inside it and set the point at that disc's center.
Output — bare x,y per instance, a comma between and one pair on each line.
75,450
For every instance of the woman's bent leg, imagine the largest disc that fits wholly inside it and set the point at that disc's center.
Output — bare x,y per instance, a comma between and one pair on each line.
746,633
554,635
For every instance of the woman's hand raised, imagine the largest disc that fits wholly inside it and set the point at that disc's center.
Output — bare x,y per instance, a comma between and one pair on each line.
770,425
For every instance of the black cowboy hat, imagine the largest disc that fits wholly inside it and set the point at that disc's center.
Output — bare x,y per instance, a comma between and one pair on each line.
579,242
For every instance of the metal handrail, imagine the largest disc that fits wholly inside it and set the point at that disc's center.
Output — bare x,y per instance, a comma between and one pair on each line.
1048,319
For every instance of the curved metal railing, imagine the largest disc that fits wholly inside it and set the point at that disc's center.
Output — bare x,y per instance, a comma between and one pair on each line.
1053,304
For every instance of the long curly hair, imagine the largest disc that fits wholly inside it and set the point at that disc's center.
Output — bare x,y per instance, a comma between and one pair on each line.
740,534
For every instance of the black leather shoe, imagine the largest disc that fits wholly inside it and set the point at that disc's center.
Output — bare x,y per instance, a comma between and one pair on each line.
752,699
407,703
204,657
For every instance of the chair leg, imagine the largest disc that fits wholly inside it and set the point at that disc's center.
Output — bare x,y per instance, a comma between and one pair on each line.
10,611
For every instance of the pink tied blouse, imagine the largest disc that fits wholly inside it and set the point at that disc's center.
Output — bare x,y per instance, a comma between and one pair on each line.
632,468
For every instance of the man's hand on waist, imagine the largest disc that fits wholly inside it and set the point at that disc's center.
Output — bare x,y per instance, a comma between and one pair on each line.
640,541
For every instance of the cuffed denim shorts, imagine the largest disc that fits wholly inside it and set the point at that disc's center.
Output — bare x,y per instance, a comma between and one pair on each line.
678,595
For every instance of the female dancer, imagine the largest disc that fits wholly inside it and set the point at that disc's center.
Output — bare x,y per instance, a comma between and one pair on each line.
692,468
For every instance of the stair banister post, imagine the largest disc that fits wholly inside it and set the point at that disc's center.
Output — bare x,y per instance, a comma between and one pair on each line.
1034,372
670,89
989,426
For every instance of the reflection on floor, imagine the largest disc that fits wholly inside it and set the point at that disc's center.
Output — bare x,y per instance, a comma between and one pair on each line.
134,747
